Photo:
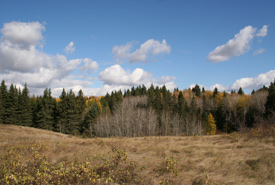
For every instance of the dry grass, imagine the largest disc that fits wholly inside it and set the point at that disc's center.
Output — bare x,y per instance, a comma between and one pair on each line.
221,159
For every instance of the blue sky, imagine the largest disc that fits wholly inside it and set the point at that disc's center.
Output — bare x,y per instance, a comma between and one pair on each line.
99,46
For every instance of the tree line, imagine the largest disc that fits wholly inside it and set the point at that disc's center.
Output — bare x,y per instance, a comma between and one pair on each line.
139,111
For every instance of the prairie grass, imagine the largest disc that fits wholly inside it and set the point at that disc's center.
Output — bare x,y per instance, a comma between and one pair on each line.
43,157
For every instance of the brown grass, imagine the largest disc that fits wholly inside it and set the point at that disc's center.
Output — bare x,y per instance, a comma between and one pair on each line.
221,159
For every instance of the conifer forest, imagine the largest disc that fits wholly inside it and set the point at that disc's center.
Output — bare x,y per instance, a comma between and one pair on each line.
139,111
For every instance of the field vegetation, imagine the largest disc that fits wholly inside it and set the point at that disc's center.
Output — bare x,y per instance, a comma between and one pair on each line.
35,156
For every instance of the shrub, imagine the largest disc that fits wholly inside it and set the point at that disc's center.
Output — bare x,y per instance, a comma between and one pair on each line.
17,166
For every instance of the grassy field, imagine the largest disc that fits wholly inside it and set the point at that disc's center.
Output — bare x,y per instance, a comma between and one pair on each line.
31,155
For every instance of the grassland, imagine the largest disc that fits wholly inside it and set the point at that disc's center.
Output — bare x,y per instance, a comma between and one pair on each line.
31,155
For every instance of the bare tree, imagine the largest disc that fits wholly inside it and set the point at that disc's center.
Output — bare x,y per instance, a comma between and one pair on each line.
130,119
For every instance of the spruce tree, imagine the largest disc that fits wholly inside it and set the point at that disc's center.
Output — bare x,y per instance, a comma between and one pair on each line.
81,104
12,108
270,101
45,111
183,108
193,107
197,90
25,107
87,127
240,91
181,102
3,102
73,122
150,96
215,92
174,104
61,112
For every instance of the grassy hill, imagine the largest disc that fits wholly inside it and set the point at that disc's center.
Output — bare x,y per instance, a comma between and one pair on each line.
30,155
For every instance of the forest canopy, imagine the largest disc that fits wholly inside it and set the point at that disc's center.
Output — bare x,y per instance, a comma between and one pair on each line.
139,111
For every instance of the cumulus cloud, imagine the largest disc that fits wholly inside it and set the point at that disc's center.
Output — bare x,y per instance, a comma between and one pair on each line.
220,87
259,51
234,47
89,65
70,49
148,49
115,77
21,61
245,83
254,82
237,46
22,35
262,32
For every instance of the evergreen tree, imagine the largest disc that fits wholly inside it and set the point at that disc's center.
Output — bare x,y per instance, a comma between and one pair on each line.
197,90
143,90
73,122
81,104
157,100
45,111
12,108
127,93
133,92
68,116
224,94
166,98
193,107
150,96
270,101
215,92
183,108
119,96
240,91
3,102
25,107
87,127
174,104
203,90
220,117
62,112
112,102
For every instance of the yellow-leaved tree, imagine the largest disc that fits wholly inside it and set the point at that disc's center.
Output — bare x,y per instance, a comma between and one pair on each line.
210,125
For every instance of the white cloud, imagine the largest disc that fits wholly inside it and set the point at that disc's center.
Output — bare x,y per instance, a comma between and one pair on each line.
234,47
220,87
22,62
245,83
148,49
201,86
116,75
70,49
122,52
259,51
102,91
262,32
22,35
89,65
254,82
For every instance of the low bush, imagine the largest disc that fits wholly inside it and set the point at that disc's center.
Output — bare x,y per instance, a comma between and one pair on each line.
17,166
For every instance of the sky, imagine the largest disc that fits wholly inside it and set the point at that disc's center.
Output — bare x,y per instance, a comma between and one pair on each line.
104,45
